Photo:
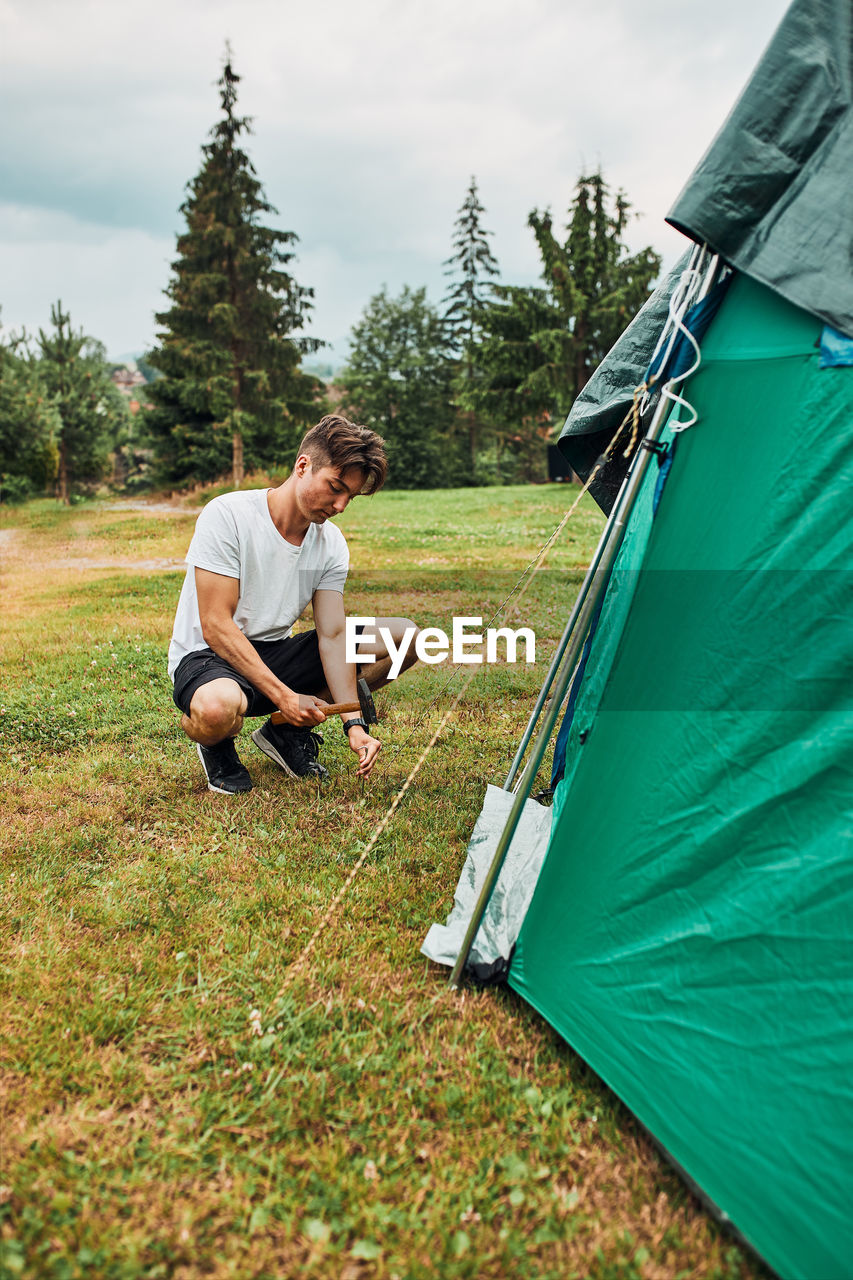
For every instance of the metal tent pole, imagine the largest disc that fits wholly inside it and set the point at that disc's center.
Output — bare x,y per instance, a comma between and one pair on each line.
696,263
592,590
563,643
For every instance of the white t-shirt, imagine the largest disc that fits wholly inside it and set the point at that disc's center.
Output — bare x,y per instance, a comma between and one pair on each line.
235,536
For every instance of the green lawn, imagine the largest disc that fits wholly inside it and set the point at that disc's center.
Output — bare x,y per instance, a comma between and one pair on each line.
175,1103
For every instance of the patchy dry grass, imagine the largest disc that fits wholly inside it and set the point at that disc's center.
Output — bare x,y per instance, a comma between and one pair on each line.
166,1110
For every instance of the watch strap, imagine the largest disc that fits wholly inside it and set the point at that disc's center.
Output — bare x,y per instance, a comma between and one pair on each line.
356,720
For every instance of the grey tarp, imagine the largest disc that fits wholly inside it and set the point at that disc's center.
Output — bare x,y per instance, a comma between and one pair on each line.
602,404
772,194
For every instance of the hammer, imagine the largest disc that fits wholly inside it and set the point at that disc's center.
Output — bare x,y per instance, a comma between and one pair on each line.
365,706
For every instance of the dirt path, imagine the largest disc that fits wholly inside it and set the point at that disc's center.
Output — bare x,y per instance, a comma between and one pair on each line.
46,556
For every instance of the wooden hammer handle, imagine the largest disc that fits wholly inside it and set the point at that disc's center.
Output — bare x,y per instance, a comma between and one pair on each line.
334,708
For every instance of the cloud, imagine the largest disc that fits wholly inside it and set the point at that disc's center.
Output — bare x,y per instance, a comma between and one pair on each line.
369,121
110,280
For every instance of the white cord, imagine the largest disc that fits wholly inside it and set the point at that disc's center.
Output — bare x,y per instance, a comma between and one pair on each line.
683,296
680,300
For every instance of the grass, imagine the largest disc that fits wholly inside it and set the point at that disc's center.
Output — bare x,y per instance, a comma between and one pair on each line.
174,1102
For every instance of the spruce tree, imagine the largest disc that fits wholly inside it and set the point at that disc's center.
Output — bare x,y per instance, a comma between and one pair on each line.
539,346
233,395
91,412
472,268
397,380
507,393
29,425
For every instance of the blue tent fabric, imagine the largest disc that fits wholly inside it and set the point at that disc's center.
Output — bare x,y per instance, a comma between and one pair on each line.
665,462
836,349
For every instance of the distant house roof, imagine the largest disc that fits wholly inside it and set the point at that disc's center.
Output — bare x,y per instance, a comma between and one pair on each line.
128,379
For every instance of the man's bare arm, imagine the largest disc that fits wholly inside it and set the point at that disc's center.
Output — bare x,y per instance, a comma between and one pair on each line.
217,603
330,622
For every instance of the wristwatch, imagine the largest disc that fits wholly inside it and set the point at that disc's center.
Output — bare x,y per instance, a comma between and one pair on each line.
348,724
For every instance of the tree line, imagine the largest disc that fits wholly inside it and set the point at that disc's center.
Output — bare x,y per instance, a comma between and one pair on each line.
466,391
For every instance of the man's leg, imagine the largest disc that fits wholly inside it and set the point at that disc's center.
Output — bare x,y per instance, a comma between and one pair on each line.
216,712
215,718
296,750
377,673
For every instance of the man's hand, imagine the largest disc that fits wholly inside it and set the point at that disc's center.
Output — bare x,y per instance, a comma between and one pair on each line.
365,747
303,709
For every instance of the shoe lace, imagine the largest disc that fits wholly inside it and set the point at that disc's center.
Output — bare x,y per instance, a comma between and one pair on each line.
306,743
309,742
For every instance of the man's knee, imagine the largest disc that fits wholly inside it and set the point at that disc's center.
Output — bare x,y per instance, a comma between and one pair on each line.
398,637
217,709
406,635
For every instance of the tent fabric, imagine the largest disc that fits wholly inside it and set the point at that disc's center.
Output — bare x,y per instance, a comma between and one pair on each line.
558,765
602,405
689,934
772,193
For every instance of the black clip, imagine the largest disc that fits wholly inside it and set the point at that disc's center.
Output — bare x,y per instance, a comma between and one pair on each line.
661,451
544,797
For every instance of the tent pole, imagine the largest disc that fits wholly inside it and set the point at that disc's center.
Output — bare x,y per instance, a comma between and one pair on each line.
697,262
592,590
594,585
561,647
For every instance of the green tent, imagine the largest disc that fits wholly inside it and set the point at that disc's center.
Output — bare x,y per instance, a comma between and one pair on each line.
687,926
689,933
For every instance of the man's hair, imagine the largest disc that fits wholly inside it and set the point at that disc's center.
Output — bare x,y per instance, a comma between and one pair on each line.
337,442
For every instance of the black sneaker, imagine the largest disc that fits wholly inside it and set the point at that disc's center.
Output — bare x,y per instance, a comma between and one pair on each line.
293,750
223,769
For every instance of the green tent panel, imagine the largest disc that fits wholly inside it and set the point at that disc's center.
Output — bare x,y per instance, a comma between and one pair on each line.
690,931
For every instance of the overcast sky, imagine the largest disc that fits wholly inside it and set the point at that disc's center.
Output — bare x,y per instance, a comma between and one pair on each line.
370,116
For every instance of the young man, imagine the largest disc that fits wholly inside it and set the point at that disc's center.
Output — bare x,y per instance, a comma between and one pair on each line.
256,560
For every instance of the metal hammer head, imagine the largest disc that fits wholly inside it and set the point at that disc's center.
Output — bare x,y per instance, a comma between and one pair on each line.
365,701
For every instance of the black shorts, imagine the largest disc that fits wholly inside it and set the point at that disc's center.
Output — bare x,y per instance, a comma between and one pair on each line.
295,660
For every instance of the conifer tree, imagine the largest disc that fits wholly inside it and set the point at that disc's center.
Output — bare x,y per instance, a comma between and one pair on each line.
73,374
29,425
540,345
507,393
233,395
596,286
397,380
472,267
